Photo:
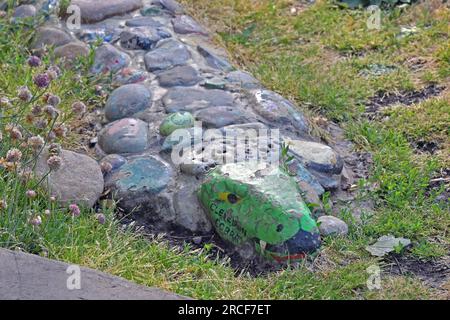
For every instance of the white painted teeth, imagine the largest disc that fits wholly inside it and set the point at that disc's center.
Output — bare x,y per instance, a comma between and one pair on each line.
263,245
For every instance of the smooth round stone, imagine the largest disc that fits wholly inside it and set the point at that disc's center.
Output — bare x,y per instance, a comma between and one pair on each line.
166,55
179,76
218,117
278,110
130,76
72,51
178,120
94,11
127,100
191,99
316,156
330,225
143,22
109,59
25,11
140,177
185,25
50,37
243,79
214,61
124,136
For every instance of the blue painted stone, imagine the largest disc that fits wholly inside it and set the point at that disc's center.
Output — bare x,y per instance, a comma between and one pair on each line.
127,100
214,61
142,174
191,99
109,59
124,136
166,55
277,110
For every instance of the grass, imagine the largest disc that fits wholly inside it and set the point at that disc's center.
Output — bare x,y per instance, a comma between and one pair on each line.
316,58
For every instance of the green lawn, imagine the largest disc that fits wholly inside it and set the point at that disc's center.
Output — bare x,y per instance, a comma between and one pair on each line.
317,59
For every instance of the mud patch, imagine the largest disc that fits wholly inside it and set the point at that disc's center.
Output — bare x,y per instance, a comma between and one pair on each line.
440,183
433,273
423,146
385,99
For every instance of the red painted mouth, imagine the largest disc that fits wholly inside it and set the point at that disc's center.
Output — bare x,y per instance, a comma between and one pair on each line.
281,259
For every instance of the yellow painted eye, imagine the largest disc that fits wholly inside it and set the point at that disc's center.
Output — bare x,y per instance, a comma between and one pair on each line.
229,197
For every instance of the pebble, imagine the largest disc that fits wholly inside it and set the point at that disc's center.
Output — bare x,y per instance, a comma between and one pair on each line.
127,101
109,59
174,121
166,55
330,225
179,76
124,136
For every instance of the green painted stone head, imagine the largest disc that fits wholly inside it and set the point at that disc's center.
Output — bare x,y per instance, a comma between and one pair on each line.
260,204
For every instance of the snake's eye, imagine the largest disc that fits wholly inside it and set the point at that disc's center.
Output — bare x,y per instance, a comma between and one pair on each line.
229,197
232,198
280,228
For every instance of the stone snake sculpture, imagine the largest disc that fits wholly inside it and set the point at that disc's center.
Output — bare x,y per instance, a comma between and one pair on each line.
168,76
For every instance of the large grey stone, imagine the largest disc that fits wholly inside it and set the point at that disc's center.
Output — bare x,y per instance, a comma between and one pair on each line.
29,277
185,25
316,156
243,79
218,117
98,10
127,100
79,180
172,6
25,11
191,99
189,213
179,76
109,59
214,60
167,54
330,225
47,36
278,111
124,136
72,51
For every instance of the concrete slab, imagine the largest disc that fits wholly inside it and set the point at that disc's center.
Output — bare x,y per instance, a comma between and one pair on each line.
28,277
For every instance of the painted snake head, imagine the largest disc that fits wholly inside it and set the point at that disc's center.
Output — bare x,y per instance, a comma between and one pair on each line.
261,204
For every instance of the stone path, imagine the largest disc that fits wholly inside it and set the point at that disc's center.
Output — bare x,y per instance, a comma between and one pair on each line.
167,73
29,277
